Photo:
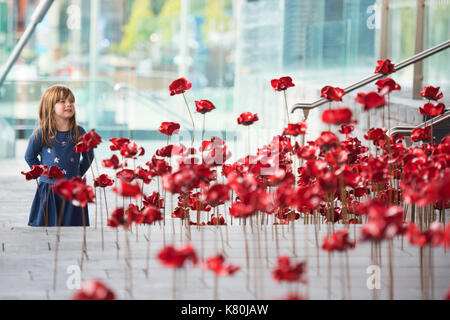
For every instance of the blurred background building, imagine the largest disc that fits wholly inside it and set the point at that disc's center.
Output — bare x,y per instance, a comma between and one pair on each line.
119,57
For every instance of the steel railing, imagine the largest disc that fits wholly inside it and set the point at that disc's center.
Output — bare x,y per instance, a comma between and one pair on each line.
418,57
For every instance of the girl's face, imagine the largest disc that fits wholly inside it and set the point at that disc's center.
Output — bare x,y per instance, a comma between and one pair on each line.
65,108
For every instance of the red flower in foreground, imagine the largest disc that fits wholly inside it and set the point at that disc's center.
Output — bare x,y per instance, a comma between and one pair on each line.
384,67
430,109
337,116
34,173
384,221
431,93
294,129
247,118
179,86
433,237
91,139
117,218
217,265
169,128
284,271
74,190
447,294
204,106
54,173
151,214
387,85
103,181
94,290
153,200
370,100
282,84
338,241
332,93
126,175
419,134
128,190
172,257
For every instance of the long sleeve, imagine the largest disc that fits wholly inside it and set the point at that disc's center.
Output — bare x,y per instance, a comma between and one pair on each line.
86,161
34,149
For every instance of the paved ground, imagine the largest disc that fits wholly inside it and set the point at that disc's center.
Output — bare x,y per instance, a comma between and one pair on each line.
26,258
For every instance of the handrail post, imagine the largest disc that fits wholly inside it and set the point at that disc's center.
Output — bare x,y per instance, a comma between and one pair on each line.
384,33
418,47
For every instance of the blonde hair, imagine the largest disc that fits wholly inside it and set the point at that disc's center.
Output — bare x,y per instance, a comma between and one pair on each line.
47,121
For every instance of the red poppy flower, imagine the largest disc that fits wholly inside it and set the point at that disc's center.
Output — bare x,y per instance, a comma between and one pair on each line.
35,172
179,86
128,190
332,93
387,85
431,93
82,194
216,222
338,241
63,188
217,265
169,128
384,67
154,200
384,221
94,290
117,143
327,139
309,152
142,174
419,134
158,167
103,181
377,135
370,100
294,129
130,150
430,109
53,173
151,214
282,84
337,116
165,151
113,163
284,271
126,175
247,118
81,147
217,194
204,106
172,257
433,237
117,218
91,139
346,129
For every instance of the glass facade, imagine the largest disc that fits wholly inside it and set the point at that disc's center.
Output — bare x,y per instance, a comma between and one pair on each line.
119,57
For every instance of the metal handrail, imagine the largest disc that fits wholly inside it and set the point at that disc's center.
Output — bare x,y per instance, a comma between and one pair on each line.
411,60
406,130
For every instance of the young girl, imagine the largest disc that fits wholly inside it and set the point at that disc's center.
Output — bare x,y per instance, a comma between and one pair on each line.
54,141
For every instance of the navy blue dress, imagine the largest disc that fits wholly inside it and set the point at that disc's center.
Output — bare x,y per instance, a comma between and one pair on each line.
63,155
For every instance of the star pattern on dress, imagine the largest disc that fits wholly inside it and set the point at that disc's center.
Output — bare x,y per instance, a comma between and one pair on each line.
63,143
56,160
49,150
64,171
72,159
